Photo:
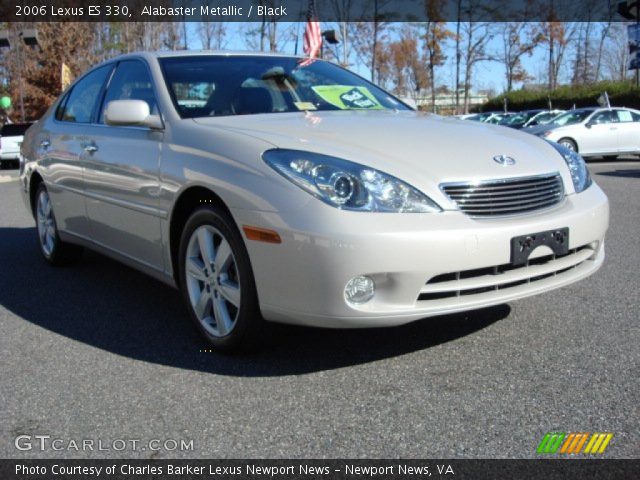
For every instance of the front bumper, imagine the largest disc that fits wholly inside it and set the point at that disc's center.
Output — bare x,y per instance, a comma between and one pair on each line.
302,279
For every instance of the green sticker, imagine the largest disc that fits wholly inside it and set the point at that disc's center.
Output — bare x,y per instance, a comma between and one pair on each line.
347,97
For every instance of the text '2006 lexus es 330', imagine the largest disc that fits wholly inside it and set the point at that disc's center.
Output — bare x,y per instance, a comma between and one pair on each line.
284,189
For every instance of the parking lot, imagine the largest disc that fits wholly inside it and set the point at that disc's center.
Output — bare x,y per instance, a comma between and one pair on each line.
100,351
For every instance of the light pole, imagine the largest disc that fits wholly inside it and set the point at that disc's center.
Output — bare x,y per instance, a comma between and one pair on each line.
30,39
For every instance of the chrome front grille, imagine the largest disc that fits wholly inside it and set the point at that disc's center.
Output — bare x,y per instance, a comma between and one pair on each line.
510,196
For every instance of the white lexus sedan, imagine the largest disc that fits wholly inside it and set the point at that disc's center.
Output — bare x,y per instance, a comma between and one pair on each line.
606,132
283,189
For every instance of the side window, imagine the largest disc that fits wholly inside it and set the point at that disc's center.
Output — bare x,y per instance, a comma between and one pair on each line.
604,117
131,81
80,103
635,116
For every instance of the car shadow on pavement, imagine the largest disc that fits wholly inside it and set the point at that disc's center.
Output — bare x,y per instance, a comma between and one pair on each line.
622,173
109,306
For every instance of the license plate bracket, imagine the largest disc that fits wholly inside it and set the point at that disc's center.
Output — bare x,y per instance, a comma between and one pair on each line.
522,246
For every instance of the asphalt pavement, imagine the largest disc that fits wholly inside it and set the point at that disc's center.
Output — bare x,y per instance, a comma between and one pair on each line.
98,351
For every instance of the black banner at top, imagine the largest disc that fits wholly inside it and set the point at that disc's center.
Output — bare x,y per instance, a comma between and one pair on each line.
327,10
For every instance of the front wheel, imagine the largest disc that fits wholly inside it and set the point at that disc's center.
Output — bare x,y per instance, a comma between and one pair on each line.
569,144
217,281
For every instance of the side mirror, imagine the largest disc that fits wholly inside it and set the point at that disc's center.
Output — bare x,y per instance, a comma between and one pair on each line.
131,113
588,124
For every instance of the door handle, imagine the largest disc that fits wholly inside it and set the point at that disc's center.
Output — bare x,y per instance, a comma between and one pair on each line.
44,144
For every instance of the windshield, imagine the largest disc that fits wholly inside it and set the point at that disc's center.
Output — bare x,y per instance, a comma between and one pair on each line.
544,117
569,118
519,118
207,86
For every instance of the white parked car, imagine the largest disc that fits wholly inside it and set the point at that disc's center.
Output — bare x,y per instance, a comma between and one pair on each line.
595,131
301,193
11,136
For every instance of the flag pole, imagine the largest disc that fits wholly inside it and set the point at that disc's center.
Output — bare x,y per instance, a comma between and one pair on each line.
295,50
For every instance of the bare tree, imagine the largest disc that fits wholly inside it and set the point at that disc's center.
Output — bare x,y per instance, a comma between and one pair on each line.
557,36
604,34
458,39
342,10
616,53
212,35
519,39
435,35
404,65
268,34
366,40
476,37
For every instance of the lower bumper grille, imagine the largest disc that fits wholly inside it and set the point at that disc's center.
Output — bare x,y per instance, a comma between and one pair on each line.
503,277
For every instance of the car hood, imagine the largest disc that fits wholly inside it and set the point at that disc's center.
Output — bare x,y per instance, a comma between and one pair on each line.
422,149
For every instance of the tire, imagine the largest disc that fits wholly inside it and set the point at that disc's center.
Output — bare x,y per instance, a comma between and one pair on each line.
54,250
568,143
217,282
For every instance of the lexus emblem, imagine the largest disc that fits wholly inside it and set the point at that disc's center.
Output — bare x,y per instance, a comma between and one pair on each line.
504,160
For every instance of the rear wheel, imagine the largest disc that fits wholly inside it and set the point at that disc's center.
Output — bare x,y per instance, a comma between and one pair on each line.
217,281
54,250
569,144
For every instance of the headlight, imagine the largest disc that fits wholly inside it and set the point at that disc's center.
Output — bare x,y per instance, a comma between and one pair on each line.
577,167
348,185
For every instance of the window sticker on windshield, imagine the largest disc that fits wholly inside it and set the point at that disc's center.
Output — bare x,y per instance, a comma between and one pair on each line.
347,97
305,106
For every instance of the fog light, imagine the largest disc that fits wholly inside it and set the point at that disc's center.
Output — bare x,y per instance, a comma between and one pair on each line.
360,289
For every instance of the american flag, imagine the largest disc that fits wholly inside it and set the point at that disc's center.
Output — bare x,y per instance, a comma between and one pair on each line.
312,40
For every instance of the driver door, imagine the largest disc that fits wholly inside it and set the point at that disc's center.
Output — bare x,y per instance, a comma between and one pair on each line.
122,174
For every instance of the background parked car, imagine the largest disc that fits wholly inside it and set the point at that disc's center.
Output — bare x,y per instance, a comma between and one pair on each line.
11,136
543,118
497,118
530,118
519,119
481,117
595,131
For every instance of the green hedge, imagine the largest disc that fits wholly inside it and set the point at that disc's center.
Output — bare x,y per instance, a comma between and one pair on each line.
621,94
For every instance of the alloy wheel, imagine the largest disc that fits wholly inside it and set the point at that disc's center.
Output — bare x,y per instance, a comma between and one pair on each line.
213,281
568,145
